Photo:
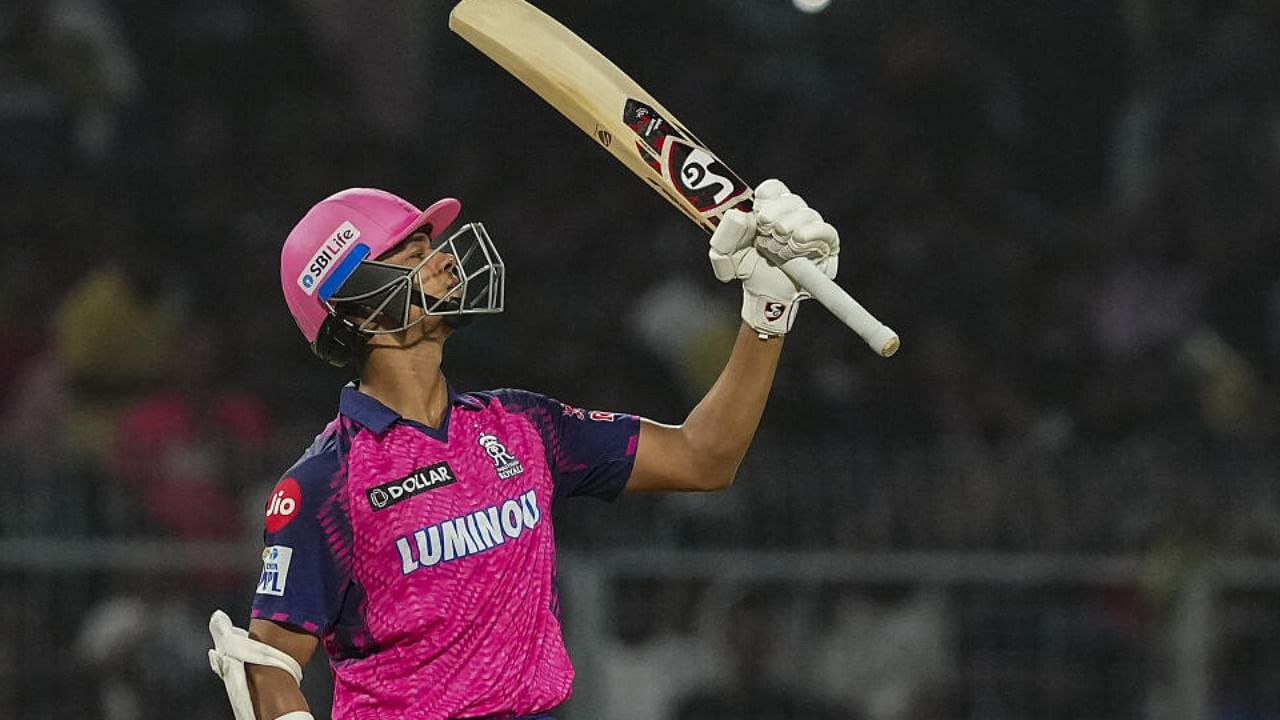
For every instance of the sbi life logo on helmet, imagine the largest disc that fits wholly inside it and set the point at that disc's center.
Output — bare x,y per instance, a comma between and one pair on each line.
327,256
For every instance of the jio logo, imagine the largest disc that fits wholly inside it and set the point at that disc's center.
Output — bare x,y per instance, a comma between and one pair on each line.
283,505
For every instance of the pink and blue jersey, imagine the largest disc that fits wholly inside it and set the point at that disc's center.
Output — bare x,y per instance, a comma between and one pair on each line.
425,557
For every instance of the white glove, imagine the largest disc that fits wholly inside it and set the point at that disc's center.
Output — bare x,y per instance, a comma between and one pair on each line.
232,648
787,228
750,246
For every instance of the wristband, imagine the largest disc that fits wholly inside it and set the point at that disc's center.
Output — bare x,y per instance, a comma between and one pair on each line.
297,715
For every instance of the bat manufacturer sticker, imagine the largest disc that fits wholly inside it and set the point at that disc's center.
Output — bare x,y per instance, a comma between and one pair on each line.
693,171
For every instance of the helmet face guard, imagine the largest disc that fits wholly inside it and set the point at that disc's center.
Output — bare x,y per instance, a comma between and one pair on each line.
377,296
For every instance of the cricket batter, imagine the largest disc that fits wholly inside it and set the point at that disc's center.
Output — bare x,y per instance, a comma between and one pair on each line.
414,537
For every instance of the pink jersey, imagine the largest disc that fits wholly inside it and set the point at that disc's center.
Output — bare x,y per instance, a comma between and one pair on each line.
425,557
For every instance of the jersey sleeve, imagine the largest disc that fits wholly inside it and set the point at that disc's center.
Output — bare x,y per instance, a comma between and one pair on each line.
305,563
591,452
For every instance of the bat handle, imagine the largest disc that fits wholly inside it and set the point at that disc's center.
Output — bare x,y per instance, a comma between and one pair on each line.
833,297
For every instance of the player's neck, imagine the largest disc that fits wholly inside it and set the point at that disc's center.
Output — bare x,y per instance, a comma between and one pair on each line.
409,381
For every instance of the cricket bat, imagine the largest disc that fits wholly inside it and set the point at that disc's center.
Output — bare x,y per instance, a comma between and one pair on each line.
634,127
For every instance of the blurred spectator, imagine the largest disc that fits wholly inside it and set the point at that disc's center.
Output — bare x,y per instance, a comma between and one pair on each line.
655,657
888,653
112,342
188,451
144,649
109,344
750,692
92,67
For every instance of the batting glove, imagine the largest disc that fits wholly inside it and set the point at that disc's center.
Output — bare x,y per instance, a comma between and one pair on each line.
751,246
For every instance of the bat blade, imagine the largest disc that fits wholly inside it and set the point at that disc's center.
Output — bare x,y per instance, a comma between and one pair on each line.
606,104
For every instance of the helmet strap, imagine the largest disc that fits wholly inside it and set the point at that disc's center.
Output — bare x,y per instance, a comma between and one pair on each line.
339,341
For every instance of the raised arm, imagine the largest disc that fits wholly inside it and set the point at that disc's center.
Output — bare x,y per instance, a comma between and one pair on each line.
703,453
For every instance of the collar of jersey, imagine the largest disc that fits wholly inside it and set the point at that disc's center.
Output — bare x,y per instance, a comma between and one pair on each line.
376,417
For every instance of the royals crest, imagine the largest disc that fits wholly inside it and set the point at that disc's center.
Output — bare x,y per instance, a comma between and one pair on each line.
504,463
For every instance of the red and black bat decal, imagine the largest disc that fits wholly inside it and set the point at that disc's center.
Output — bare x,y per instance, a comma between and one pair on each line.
697,174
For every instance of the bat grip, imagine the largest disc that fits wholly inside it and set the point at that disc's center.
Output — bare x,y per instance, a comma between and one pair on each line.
833,297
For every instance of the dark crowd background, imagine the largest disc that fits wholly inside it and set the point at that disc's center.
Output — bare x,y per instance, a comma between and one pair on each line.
1070,211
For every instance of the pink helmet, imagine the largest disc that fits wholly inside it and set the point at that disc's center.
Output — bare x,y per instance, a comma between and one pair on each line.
339,232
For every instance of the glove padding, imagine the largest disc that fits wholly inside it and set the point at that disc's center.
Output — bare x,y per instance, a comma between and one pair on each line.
232,648
787,228
751,246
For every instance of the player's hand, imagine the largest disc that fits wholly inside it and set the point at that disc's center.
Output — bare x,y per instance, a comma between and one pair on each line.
787,228
742,243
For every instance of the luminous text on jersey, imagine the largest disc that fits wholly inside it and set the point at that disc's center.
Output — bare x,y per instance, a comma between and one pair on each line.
324,259
420,481
469,534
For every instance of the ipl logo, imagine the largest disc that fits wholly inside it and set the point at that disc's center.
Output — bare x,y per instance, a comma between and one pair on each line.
503,461
275,569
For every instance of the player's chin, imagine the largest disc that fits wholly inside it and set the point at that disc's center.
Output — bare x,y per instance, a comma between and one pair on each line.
435,327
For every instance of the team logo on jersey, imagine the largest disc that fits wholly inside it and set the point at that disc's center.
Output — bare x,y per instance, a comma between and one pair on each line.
275,569
421,480
283,505
503,461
